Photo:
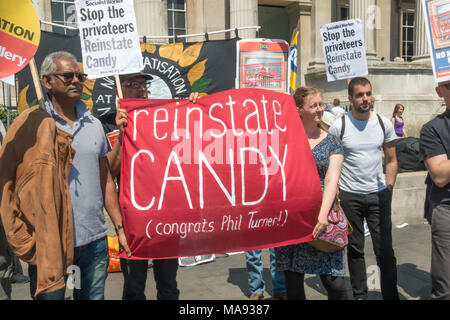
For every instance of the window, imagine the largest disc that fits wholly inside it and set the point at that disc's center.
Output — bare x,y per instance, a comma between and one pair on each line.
176,10
407,35
274,22
344,14
64,12
341,10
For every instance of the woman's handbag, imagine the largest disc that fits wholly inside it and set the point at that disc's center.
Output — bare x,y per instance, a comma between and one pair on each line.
335,236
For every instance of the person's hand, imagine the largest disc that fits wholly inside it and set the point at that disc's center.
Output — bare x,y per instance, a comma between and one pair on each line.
123,242
193,97
121,119
322,223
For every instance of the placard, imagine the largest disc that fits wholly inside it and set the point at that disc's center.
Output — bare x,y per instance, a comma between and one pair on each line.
437,20
263,64
232,172
344,49
109,37
9,80
19,35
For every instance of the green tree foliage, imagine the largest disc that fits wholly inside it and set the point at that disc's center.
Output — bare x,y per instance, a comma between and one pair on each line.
4,115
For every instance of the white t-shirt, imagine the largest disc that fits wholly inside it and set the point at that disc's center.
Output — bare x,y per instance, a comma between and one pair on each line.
362,171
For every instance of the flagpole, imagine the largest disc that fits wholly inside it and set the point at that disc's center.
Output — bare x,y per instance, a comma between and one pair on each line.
118,86
37,83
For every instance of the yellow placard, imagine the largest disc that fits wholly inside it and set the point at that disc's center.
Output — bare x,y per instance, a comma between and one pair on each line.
19,19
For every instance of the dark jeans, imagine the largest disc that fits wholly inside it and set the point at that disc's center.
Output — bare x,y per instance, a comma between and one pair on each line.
55,295
295,288
440,252
376,208
135,277
93,260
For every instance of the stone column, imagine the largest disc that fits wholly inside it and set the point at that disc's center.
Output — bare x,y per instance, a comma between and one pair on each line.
421,48
320,15
244,13
205,16
43,9
366,10
195,19
151,18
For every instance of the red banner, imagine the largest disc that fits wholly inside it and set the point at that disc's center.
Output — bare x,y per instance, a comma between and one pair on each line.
233,172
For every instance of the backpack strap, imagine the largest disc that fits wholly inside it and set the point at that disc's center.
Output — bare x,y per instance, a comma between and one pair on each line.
379,120
343,127
382,127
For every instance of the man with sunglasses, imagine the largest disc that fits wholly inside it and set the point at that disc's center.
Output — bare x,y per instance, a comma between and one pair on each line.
90,183
365,192
435,149
136,86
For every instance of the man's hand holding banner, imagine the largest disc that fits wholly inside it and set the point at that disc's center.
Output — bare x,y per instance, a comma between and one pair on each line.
233,172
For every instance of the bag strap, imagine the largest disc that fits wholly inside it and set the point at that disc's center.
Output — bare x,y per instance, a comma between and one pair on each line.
337,201
343,127
379,120
336,208
382,127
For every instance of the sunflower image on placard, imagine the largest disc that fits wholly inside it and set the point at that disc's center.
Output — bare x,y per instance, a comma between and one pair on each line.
185,58
86,95
165,61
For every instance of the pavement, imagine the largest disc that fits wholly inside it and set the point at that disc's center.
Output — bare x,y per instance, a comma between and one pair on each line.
226,277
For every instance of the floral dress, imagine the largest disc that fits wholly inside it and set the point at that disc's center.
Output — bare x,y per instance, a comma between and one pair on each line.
302,257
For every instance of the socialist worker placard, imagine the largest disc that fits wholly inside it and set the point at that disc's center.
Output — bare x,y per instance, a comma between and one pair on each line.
109,37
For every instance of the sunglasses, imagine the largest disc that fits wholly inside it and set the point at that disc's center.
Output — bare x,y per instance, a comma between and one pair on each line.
135,85
68,76
447,85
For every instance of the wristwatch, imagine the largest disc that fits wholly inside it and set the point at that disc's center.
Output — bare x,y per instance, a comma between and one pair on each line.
117,228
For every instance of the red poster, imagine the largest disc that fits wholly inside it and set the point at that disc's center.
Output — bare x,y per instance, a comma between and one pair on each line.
233,172
113,137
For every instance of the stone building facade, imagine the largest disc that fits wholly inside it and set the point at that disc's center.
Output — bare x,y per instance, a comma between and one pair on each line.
394,32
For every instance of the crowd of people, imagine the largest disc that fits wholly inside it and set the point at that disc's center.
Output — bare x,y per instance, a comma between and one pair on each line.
55,164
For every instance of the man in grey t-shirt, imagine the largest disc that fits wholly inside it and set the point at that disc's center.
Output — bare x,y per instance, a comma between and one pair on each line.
364,190
90,182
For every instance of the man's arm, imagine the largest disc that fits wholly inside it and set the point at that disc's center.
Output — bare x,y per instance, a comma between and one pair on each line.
439,169
111,201
390,160
114,157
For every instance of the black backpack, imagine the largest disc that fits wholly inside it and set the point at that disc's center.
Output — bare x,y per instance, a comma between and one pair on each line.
408,155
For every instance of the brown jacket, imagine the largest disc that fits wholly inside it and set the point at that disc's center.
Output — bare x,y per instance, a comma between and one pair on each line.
35,206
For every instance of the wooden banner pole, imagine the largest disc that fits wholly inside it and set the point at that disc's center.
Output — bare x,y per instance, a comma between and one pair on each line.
118,86
37,83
